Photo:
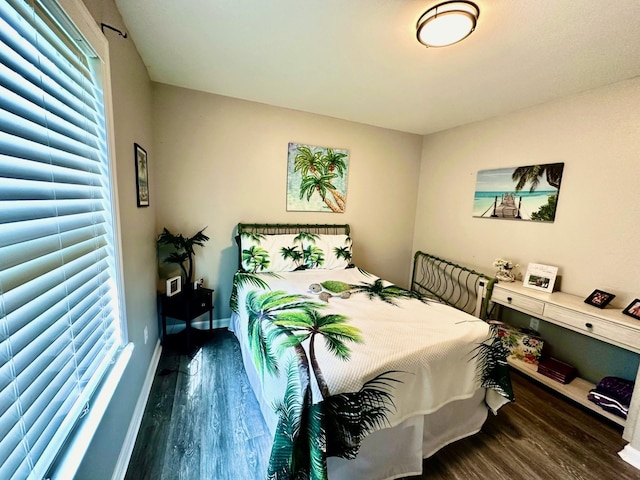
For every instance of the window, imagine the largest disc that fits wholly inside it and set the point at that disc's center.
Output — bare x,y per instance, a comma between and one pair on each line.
61,327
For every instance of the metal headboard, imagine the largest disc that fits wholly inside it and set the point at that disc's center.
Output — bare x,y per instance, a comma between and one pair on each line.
284,228
452,284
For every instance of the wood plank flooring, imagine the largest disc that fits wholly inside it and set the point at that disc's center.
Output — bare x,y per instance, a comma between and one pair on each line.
202,422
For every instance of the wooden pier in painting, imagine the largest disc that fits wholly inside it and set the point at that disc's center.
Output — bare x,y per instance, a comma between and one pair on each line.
507,207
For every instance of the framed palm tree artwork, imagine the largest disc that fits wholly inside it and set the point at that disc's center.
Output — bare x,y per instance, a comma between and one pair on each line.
316,178
528,193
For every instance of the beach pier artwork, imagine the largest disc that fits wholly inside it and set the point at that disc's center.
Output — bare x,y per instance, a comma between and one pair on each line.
507,207
528,193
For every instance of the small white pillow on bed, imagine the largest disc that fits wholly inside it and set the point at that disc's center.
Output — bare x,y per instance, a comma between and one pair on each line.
270,253
329,252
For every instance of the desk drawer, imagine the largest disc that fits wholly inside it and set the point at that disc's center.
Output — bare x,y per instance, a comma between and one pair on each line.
517,301
594,326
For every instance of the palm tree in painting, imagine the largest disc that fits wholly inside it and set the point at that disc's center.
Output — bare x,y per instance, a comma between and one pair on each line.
307,324
307,161
533,173
335,162
322,184
318,171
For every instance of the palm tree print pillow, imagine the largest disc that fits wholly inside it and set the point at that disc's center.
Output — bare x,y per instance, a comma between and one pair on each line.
329,252
270,253
289,252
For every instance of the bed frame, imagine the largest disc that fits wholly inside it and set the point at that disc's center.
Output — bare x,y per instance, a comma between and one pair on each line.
287,228
432,277
452,284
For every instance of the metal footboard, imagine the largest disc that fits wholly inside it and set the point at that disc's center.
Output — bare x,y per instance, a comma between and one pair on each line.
452,284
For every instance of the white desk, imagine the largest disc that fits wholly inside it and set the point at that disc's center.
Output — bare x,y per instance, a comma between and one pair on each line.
570,312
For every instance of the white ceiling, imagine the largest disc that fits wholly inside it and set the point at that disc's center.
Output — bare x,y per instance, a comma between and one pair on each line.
359,59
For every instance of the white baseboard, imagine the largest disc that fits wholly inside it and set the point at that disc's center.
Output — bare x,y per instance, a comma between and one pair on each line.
630,455
136,420
200,325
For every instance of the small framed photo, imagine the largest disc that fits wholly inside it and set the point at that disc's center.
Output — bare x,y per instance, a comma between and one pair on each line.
174,286
633,310
540,277
599,298
142,175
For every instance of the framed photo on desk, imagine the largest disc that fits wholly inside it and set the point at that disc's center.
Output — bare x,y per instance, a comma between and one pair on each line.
540,277
633,310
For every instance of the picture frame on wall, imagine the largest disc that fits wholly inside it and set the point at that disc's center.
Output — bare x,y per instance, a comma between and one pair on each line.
142,175
540,277
599,298
633,309
174,286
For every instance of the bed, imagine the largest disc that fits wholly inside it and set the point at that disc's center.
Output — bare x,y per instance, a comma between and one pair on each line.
357,377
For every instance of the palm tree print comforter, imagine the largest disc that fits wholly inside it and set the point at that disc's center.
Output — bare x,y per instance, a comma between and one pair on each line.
342,353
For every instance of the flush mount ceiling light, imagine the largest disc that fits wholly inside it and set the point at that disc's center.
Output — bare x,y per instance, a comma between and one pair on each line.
447,23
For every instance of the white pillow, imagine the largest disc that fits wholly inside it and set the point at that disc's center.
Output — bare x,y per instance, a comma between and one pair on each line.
270,253
329,252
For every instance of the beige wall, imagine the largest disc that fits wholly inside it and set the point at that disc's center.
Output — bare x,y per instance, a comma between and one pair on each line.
595,235
132,117
219,161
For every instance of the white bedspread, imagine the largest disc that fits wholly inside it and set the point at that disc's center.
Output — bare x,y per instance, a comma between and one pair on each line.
425,355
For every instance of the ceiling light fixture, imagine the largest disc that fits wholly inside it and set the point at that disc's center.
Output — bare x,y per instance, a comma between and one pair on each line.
447,23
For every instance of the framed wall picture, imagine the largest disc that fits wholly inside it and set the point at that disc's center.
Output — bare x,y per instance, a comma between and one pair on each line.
174,286
540,277
524,193
316,178
633,310
599,298
142,175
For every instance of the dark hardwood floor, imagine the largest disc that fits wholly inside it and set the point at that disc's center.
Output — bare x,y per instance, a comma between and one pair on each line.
202,422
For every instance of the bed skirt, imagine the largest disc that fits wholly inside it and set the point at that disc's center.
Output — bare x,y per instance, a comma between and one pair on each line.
396,451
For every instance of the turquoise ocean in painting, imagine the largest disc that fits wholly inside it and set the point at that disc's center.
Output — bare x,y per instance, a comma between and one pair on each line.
531,201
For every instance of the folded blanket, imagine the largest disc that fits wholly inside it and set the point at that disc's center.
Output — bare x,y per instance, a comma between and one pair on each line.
607,403
617,388
613,394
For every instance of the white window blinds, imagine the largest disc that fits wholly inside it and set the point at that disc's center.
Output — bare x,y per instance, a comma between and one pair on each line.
60,325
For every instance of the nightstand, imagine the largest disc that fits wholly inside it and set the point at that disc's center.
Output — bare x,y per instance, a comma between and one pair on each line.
186,306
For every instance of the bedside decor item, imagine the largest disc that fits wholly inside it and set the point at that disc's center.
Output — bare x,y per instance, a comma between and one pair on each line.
174,286
540,277
504,271
316,178
557,370
528,193
633,310
599,298
183,251
523,343
142,175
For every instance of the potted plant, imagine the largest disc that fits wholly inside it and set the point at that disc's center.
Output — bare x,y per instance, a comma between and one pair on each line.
183,250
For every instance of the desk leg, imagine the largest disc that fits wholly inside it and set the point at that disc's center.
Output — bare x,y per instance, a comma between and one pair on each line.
211,319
